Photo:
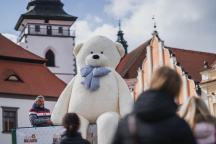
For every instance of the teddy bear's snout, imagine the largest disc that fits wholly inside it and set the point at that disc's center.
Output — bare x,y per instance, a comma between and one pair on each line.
96,57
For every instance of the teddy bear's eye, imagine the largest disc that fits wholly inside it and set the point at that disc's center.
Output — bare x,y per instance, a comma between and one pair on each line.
91,52
101,52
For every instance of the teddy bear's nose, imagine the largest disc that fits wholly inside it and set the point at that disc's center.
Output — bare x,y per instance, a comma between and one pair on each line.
96,57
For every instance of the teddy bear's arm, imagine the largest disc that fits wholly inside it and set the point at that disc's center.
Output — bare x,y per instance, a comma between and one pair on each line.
61,107
125,98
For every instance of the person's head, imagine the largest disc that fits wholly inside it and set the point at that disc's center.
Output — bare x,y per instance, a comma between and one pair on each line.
39,101
166,79
194,110
71,122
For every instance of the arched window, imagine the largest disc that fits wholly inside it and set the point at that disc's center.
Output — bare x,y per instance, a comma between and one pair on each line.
51,58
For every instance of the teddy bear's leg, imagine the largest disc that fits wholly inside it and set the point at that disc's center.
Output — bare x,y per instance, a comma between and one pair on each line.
84,123
106,127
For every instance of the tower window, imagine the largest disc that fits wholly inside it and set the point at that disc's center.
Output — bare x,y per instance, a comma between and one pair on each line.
51,58
37,28
60,30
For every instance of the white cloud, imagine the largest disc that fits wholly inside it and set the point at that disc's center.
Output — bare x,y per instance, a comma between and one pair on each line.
93,21
121,8
84,32
97,19
180,23
11,37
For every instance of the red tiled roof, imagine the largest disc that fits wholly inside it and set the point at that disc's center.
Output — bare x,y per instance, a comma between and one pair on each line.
37,79
192,61
130,63
12,50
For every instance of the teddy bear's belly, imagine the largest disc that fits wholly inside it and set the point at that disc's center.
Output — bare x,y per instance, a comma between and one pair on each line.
92,104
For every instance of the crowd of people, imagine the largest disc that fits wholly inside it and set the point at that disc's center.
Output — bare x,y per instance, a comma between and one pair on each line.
153,120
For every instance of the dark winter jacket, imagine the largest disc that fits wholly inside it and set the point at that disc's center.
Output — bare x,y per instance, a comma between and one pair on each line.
156,122
38,116
72,139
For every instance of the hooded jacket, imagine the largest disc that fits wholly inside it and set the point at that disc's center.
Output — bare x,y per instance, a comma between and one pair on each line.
72,139
38,116
204,133
156,122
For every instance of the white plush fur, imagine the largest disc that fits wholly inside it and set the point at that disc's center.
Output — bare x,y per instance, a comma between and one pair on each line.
104,106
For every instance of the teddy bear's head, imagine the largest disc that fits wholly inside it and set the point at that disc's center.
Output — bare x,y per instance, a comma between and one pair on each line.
99,51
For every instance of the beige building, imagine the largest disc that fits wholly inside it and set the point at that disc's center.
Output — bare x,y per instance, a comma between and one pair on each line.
137,66
208,86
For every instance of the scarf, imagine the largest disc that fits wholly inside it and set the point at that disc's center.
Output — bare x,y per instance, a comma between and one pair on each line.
91,75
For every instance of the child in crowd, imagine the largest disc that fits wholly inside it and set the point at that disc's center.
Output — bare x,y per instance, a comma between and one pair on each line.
72,136
197,115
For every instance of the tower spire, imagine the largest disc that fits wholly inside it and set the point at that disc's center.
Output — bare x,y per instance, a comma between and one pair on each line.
155,26
120,38
119,24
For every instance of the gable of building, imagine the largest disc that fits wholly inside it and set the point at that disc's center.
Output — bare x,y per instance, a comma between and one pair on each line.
141,63
12,51
25,73
158,55
129,64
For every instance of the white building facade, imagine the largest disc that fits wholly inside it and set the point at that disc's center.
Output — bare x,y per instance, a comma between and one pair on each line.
18,106
23,76
45,31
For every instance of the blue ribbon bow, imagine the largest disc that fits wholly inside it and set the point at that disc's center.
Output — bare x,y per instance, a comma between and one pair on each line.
91,75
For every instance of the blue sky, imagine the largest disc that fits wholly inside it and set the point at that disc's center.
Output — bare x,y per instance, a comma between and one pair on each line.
185,24
10,11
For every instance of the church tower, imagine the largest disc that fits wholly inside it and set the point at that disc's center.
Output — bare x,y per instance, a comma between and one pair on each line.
45,31
120,38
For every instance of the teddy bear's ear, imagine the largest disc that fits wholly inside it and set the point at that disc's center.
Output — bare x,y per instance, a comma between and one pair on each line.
120,49
77,48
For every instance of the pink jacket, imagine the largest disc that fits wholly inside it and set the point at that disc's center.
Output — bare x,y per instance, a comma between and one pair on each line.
204,133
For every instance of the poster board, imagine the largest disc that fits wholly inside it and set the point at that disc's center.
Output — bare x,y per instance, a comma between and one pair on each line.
36,135
46,135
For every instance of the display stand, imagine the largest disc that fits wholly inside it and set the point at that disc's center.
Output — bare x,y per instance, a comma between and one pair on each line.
46,135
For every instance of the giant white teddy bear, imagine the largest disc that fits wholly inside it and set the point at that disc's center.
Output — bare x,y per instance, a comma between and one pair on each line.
98,94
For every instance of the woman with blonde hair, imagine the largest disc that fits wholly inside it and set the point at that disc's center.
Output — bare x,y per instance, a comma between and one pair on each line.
196,113
154,119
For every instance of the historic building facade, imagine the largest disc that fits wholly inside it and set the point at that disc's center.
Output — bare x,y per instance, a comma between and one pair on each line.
137,66
23,76
45,31
208,86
